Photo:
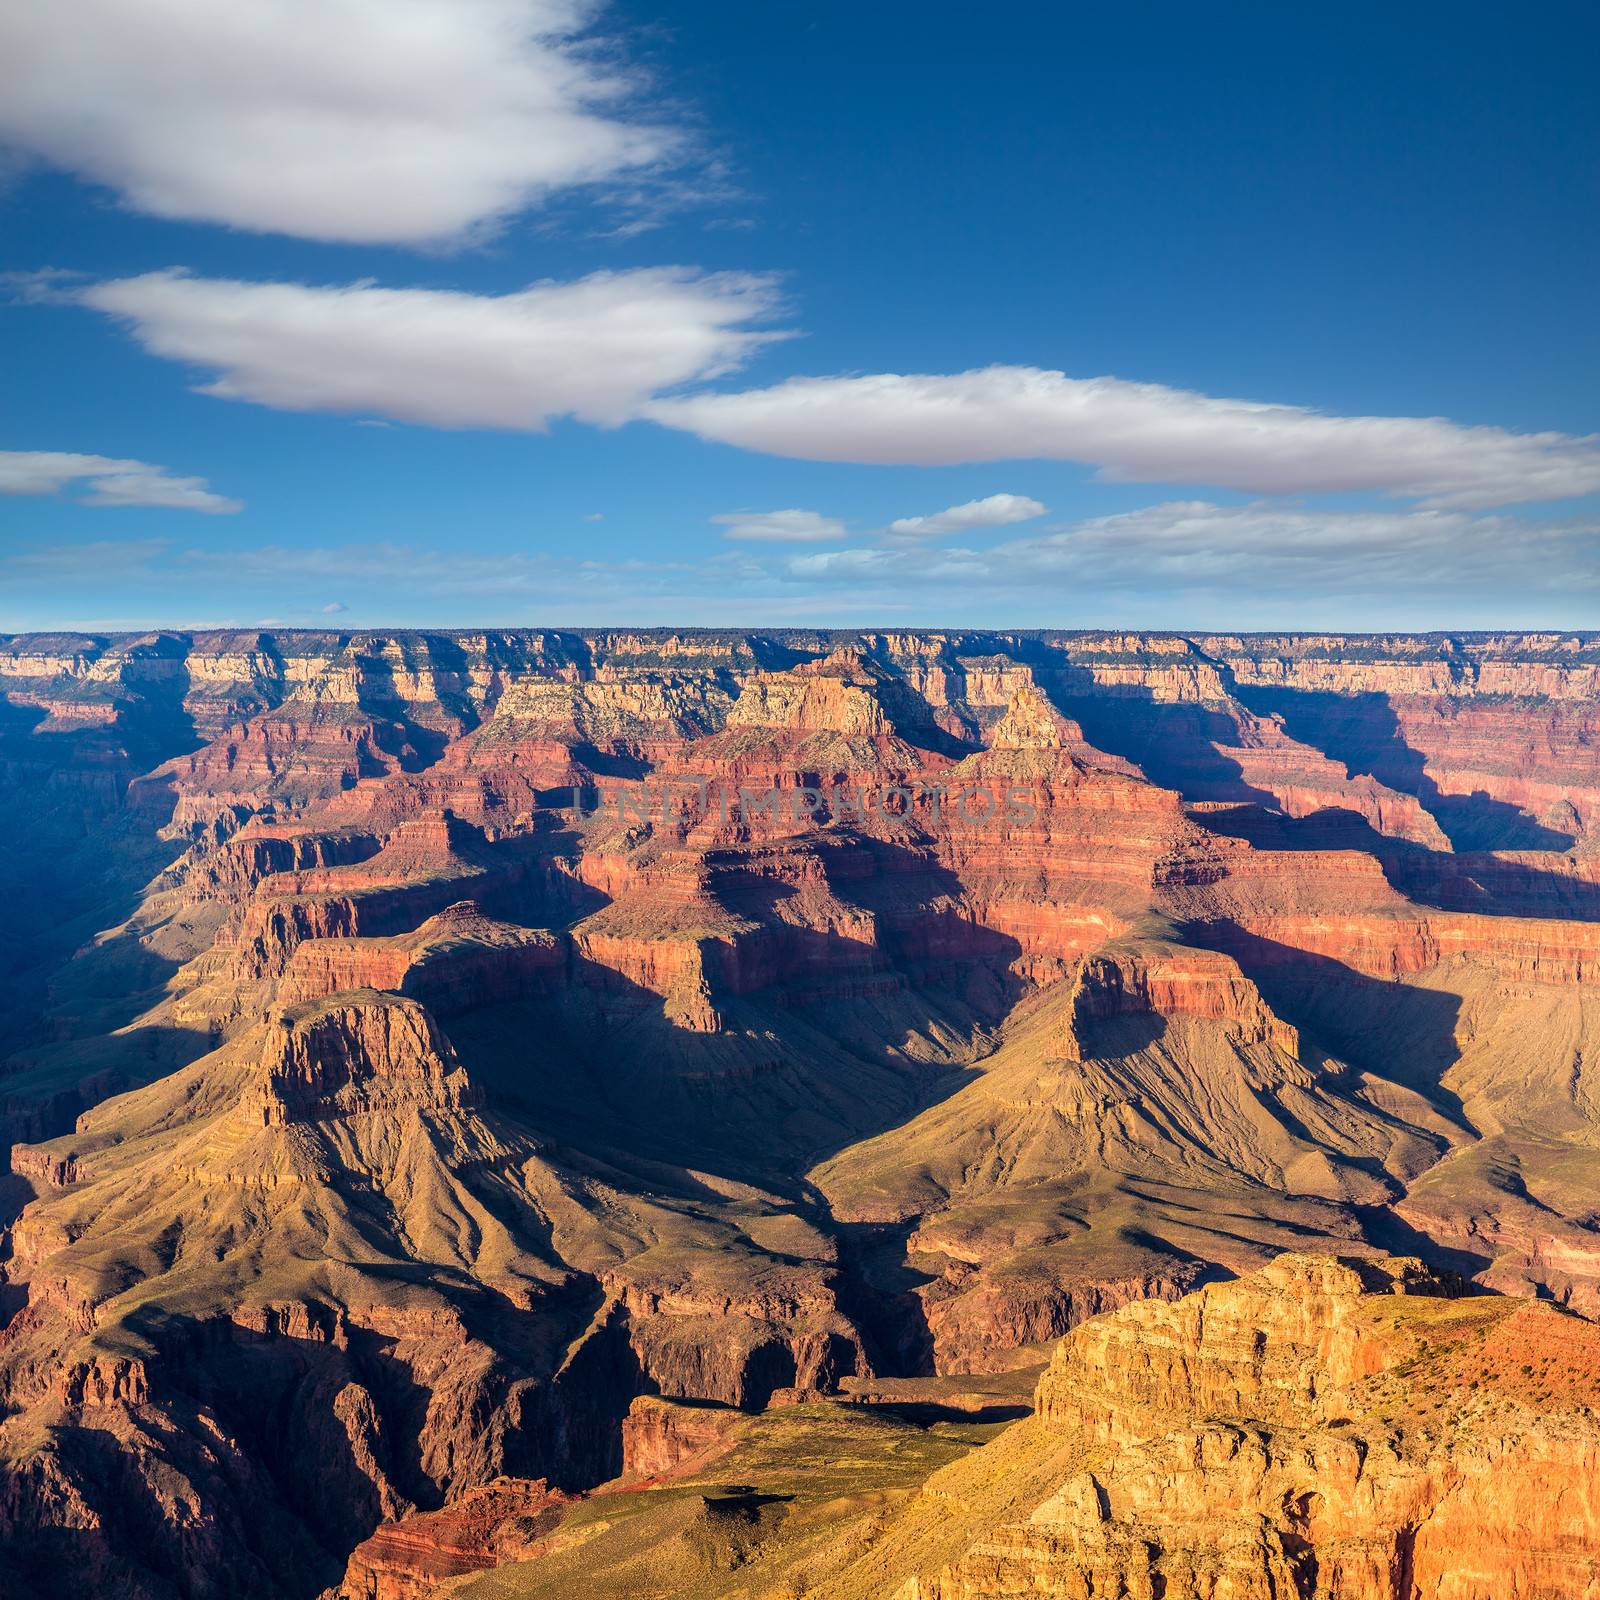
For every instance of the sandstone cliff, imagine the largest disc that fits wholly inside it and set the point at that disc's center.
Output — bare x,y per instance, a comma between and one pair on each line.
1321,1427
1314,1429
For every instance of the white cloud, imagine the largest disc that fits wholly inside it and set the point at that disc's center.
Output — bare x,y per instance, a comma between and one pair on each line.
780,527
366,121
614,346
58,563
861,564
1137,432
108,481
1257,550
334,607
993,511
595,348
853,563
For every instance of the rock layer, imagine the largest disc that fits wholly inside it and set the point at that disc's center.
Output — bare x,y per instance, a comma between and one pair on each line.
429,1052
1309,1430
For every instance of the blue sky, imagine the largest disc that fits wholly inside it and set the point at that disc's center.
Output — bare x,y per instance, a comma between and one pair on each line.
493,312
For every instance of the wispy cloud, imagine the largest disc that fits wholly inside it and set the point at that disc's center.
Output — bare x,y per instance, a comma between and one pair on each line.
893,565
1137,432
107,481
993,511
1177,564
43,286
596,348
1289,552
365,121
147,583
780,527
97,560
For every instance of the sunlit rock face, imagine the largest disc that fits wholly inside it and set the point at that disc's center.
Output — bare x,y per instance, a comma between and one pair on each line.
425,1053
1318,1427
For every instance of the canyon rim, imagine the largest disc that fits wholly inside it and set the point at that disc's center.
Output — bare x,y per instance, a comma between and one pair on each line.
455,1150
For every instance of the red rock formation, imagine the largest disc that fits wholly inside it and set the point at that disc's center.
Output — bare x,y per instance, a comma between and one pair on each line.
662,1437
1181,983
410,1559
808,1005
456,960
332,1059
1290,1432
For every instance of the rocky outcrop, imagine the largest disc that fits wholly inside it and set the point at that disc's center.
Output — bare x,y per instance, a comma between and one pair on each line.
1285,1345
661,1437
1180,982
456,960
1309,1429
357,1054
412,1558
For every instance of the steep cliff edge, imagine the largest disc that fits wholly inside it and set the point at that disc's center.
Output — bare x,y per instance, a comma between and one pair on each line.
1321,1427
1313,1429
312,1284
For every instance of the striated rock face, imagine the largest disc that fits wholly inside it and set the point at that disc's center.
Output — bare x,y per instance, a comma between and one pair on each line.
840,694
660,1437
456,960
334,1060
1180,983
413,1558
1309,1430
1284,1346
452,1066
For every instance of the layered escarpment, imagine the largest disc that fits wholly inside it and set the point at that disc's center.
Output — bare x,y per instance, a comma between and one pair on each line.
332,1290
431,1052
1322,1426
1147,1121
1314,1428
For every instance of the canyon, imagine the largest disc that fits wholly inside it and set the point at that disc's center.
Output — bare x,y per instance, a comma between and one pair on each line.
918,1114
